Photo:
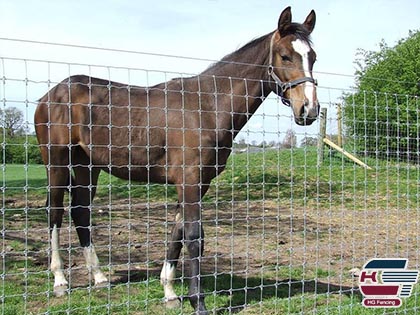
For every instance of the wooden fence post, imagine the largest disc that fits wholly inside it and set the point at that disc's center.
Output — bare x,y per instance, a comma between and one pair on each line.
321,135
339,126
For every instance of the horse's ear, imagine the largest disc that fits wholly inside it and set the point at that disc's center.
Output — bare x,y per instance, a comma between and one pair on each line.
310,21
285,20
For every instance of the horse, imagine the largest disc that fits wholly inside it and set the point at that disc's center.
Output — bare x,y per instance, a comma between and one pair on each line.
177,132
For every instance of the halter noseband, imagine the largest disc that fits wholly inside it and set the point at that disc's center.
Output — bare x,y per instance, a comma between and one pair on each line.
284,86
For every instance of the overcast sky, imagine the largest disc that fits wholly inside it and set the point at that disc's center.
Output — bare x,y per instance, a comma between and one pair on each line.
207,29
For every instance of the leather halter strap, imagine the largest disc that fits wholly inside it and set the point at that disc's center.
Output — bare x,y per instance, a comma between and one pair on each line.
284,86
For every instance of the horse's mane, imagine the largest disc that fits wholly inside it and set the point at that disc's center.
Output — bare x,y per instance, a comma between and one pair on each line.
296,29
253,43
238,54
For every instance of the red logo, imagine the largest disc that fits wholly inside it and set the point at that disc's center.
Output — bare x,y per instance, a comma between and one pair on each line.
383,282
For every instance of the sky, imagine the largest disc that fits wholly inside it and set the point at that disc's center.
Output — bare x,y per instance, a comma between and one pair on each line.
203,29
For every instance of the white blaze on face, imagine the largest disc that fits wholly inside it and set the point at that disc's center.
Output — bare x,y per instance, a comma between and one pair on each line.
303,49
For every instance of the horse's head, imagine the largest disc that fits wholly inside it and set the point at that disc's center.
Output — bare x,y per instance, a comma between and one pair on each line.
291,59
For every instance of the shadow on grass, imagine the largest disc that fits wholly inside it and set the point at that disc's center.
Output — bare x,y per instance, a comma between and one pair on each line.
245,291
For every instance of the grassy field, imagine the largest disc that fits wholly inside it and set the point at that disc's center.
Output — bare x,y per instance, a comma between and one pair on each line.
280,175
282,236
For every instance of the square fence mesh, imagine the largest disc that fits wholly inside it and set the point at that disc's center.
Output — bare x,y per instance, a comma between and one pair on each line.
289,223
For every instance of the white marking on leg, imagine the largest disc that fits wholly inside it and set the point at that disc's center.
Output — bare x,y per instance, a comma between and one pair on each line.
178,218
302,48
167,277
56,262
92,263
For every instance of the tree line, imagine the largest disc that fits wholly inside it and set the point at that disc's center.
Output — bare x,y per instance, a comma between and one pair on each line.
18,145
382,115
289,141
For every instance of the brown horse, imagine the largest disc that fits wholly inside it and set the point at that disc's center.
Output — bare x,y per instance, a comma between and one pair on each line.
178,132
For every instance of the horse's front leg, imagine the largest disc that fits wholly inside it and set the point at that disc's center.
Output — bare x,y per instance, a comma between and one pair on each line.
194,241
188,229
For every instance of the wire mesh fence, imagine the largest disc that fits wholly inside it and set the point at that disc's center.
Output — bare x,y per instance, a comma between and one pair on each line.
282,234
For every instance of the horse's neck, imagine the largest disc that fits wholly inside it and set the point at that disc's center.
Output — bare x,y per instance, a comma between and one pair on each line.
242,101
239,87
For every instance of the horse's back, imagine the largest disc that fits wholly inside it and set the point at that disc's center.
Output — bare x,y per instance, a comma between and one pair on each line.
78,103
113,123
118,125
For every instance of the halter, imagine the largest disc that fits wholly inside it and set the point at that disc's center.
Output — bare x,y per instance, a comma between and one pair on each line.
284,86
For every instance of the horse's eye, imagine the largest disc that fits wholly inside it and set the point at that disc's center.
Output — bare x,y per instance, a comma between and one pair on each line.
286,58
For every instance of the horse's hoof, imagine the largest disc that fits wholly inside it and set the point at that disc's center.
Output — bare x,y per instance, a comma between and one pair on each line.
101,285
173,303
201,310
60,290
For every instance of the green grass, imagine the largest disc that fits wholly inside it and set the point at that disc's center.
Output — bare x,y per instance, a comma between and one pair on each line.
288,177
31,293
284,176
19,180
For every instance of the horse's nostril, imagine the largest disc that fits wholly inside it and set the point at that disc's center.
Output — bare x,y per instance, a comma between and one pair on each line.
303,110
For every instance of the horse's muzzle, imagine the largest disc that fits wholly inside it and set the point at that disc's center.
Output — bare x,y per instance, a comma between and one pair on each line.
308,115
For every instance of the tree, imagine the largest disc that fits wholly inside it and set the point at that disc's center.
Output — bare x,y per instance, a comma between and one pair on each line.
309,142
382,115
21,150
240,144
263,144
12,121
289,140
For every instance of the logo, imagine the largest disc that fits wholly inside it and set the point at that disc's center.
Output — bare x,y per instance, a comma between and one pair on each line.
385,281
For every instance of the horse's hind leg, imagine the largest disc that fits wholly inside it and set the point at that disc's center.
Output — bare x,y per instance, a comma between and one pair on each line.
58,179
167,275
82,192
